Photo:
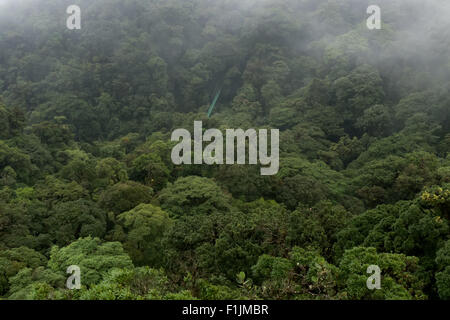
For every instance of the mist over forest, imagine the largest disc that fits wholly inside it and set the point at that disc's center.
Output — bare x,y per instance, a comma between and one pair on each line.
87,179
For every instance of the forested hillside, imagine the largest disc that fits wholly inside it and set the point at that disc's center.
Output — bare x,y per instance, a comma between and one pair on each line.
86,176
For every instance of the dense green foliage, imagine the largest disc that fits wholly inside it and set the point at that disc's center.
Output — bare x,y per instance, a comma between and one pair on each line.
86,176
